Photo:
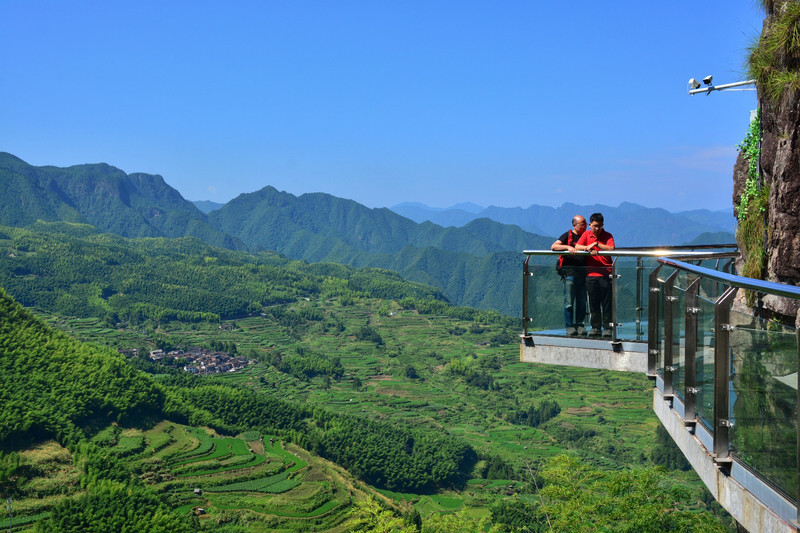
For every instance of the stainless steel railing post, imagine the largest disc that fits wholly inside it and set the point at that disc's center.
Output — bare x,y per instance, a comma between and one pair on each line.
722,372
669,322
690,352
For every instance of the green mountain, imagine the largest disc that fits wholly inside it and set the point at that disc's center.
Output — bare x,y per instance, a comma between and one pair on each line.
317,227
476,265
464,263
131,205
713,238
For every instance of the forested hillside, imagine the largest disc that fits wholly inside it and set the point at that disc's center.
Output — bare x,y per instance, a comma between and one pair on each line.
71,269
131,205
52,385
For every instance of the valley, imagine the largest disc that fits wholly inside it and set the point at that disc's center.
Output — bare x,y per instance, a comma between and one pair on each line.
371,399
466,381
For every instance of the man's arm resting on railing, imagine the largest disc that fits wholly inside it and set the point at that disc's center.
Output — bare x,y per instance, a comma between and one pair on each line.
559,246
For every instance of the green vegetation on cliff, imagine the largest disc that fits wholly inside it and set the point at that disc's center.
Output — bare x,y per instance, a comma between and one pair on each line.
774,59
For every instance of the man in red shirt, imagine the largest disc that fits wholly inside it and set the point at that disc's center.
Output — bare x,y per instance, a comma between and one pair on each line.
598,275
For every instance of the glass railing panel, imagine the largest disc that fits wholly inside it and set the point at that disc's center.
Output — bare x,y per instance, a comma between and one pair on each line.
561,303
763,399
679,334
663,274
709,288
545,296
631,298
704,362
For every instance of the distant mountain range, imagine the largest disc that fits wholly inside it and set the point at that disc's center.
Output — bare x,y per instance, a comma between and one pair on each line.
474,262
631,224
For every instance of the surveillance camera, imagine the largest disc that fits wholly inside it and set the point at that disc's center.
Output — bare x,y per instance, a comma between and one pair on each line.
708,79
693,84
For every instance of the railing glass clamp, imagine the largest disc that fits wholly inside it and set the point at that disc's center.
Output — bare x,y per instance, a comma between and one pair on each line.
725,423
728,327
693,310
692,390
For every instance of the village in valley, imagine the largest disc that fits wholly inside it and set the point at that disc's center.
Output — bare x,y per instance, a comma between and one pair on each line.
198,360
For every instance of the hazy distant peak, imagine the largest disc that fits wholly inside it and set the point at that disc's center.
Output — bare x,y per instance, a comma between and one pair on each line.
207,206
469,207
417,206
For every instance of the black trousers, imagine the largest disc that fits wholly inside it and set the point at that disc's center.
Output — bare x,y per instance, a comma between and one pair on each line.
598,288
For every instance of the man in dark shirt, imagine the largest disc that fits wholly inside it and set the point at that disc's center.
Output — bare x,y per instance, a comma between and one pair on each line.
573,275
598,275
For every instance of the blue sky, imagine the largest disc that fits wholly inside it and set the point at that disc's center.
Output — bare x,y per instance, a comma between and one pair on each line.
503,103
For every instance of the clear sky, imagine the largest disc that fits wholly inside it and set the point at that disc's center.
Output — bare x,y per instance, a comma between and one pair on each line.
506,103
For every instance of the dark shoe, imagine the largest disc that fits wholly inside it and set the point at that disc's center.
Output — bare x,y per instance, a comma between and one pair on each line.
581,331
594,333
571,331
607,333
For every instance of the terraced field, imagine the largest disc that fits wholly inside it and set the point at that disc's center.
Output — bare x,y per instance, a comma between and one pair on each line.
250,474
253,476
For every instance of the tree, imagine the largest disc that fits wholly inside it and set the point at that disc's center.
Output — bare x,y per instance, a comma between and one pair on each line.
579,497
368,516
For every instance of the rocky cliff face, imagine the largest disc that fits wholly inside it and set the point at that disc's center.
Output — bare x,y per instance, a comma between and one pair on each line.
775,63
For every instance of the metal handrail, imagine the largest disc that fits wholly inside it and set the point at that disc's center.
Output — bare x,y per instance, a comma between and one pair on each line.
680,247
629,252
733,280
